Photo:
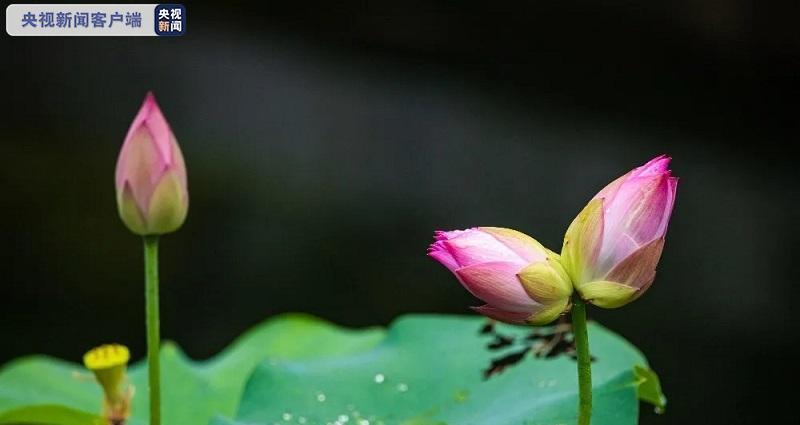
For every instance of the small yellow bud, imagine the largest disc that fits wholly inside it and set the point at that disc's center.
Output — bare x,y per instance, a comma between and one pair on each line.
108,363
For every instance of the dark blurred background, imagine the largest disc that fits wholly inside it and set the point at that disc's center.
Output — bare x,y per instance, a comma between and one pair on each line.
325,143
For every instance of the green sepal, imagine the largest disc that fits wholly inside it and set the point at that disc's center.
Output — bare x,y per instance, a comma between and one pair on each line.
129,212
545,283
550,313
603,293
168,206
582,241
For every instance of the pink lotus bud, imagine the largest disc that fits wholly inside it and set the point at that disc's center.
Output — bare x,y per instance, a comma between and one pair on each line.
612,247
152,195
519,280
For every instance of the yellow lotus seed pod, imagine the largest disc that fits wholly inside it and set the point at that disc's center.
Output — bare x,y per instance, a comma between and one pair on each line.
108,363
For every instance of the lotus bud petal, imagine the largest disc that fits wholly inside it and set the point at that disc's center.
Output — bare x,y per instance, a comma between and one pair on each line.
520,280
152,195
612,247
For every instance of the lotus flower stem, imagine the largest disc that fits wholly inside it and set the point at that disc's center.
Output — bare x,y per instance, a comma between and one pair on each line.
153,331
584,361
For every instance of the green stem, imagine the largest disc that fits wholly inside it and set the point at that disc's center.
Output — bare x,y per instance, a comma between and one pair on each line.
153,331
584,361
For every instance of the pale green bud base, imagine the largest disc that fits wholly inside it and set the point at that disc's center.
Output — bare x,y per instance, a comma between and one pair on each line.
607,294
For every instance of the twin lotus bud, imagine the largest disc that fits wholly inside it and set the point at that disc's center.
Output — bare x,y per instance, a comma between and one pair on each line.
108,363
152,196
609,255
